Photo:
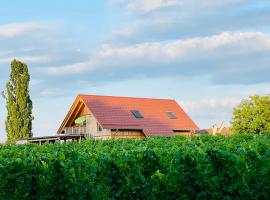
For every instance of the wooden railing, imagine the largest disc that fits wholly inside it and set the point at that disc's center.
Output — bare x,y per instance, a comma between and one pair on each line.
75,130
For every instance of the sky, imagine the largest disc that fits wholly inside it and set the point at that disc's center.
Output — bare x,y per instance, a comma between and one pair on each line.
208,55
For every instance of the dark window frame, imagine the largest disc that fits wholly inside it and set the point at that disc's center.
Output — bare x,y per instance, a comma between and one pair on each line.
99,128
171,115
137,114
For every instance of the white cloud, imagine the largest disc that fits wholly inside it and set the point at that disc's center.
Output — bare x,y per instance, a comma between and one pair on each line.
163,20
212,110
26,59
125,32
206,105
71,68
221,46
150,5
35,82
14,30
145,6
52,92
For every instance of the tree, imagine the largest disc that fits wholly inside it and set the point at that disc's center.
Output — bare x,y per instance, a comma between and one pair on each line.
252,115
18,103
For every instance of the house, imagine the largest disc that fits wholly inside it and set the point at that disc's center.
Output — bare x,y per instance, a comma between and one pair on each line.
215,130
106,117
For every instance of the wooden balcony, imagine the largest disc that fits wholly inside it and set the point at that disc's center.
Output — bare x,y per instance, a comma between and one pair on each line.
52,139
75,130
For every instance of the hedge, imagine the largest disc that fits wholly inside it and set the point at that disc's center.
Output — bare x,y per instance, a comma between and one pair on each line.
204,167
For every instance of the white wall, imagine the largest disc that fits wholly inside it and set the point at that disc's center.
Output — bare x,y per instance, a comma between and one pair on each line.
91,127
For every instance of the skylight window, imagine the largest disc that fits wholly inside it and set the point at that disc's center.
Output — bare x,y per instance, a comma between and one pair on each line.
171,115
136,113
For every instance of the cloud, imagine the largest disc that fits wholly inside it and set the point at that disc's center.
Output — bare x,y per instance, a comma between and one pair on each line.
145,6
71,68
216,105
18,29
209,111
53,92
39,45
211,104
189,18
225,58
26,59
151,5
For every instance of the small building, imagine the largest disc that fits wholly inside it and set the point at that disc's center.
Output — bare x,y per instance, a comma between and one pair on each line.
106,117
215,130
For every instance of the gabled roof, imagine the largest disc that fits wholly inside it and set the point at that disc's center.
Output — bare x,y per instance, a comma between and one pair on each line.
115,113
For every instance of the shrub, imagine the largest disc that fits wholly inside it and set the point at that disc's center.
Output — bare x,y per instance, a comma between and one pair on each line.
205,167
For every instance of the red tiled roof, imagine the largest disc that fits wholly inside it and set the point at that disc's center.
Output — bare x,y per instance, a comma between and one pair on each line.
115,113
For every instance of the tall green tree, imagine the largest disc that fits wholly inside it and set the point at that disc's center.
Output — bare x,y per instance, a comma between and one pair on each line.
18,103
252,115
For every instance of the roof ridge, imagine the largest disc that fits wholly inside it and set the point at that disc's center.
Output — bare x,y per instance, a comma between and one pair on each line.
170,99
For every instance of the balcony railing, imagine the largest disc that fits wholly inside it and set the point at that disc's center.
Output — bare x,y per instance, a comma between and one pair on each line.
75,130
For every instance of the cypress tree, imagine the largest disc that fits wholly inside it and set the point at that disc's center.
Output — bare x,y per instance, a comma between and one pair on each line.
18,103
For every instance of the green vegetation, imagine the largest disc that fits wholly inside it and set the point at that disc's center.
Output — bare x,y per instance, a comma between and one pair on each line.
204,167
19,105
252,115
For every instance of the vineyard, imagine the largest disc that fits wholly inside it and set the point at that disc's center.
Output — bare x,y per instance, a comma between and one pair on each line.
204,167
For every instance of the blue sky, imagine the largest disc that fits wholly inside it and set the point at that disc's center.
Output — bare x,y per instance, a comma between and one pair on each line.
207,55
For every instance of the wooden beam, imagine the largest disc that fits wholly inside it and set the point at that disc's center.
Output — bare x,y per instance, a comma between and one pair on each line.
63,124
75,113
70,113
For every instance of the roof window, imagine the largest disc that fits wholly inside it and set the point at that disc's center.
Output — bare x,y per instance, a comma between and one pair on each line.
136,113
171,115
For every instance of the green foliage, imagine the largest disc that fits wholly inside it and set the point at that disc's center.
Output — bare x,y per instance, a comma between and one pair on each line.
205,167
19,105
252,115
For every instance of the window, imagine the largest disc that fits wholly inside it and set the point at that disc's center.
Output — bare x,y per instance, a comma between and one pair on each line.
99,128
137,113
171,115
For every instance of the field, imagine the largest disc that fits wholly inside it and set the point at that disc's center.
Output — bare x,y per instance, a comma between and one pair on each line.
204,167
